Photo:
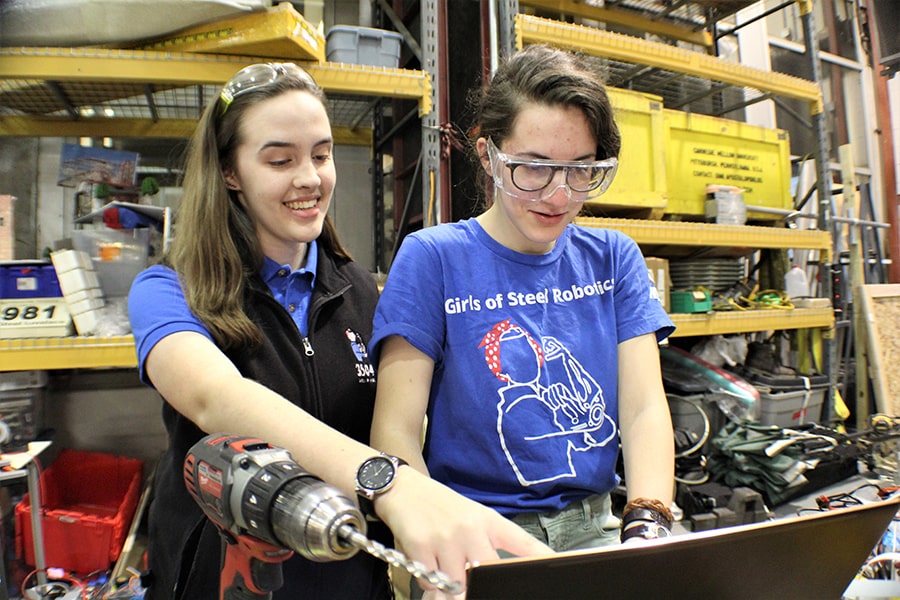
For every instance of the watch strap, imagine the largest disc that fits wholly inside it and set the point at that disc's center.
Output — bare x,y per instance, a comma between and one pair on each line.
367,507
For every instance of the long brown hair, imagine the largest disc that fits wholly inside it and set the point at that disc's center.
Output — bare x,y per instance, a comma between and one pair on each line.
215,249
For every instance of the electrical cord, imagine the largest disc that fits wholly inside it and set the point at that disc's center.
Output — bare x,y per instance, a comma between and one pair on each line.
132,589
844,499
698,441
59,586
874,565
882,563
706,426
94,586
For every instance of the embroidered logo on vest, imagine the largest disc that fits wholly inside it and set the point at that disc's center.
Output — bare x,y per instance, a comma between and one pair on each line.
365,372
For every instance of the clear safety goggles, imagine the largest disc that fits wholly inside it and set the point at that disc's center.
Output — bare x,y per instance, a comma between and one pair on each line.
531,177
260,75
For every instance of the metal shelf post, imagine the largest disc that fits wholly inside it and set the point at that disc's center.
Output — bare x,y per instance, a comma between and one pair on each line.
823,191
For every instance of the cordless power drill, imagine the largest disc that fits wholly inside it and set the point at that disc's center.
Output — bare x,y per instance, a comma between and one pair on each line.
267,507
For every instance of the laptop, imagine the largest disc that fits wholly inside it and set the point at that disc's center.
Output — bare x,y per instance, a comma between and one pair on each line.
814,556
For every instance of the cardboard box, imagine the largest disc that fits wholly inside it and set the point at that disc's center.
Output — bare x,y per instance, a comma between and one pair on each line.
658,268
7,227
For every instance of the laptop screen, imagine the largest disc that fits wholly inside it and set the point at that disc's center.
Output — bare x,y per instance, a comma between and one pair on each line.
813,557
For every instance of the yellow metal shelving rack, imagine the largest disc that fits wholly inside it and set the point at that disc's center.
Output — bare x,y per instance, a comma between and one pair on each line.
42,82
201,58
67,353
740,239
597,42
609,14
89,75
683,233
278,32
749,321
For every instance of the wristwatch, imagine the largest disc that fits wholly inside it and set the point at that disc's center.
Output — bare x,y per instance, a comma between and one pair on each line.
646,530
374,477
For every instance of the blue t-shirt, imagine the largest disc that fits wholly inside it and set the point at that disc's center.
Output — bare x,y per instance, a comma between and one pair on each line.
157,306
523,410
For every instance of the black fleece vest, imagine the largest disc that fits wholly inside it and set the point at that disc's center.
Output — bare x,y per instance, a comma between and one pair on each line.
328,375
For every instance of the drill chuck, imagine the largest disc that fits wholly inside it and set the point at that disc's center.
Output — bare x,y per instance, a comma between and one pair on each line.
249,488
308,515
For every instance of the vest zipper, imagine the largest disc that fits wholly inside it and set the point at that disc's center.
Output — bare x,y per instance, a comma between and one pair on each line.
307,347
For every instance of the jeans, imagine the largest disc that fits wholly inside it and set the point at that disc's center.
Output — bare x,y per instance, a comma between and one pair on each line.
588,523
581,525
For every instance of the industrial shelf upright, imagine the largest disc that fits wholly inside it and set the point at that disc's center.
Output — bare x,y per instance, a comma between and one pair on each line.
415,139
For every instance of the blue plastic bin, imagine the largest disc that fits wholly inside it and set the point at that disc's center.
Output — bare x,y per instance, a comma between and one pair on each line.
30,281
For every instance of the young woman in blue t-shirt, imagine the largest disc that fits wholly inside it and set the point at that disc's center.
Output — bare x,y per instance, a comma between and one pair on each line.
524,344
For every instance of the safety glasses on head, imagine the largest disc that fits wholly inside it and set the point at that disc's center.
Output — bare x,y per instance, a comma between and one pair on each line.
260,75
531,177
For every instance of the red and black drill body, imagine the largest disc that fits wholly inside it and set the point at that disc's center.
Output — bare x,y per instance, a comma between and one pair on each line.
266,507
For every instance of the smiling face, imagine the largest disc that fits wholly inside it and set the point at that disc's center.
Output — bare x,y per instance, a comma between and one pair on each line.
549,132
284,173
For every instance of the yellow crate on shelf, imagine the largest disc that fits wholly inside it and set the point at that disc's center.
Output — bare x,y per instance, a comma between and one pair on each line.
280,32
641,179
701,150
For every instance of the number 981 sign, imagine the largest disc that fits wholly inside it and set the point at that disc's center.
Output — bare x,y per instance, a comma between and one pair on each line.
34,317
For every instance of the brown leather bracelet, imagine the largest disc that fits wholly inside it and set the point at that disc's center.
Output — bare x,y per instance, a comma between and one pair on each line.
650,503
646,514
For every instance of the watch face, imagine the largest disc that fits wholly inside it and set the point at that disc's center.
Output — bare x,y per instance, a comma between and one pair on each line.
376,473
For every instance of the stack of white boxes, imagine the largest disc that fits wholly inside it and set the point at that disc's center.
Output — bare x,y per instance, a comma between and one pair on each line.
80,287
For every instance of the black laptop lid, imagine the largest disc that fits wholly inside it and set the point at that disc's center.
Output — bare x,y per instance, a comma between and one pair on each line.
813,557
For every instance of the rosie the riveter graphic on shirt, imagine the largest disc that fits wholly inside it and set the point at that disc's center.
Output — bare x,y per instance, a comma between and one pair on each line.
549,403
